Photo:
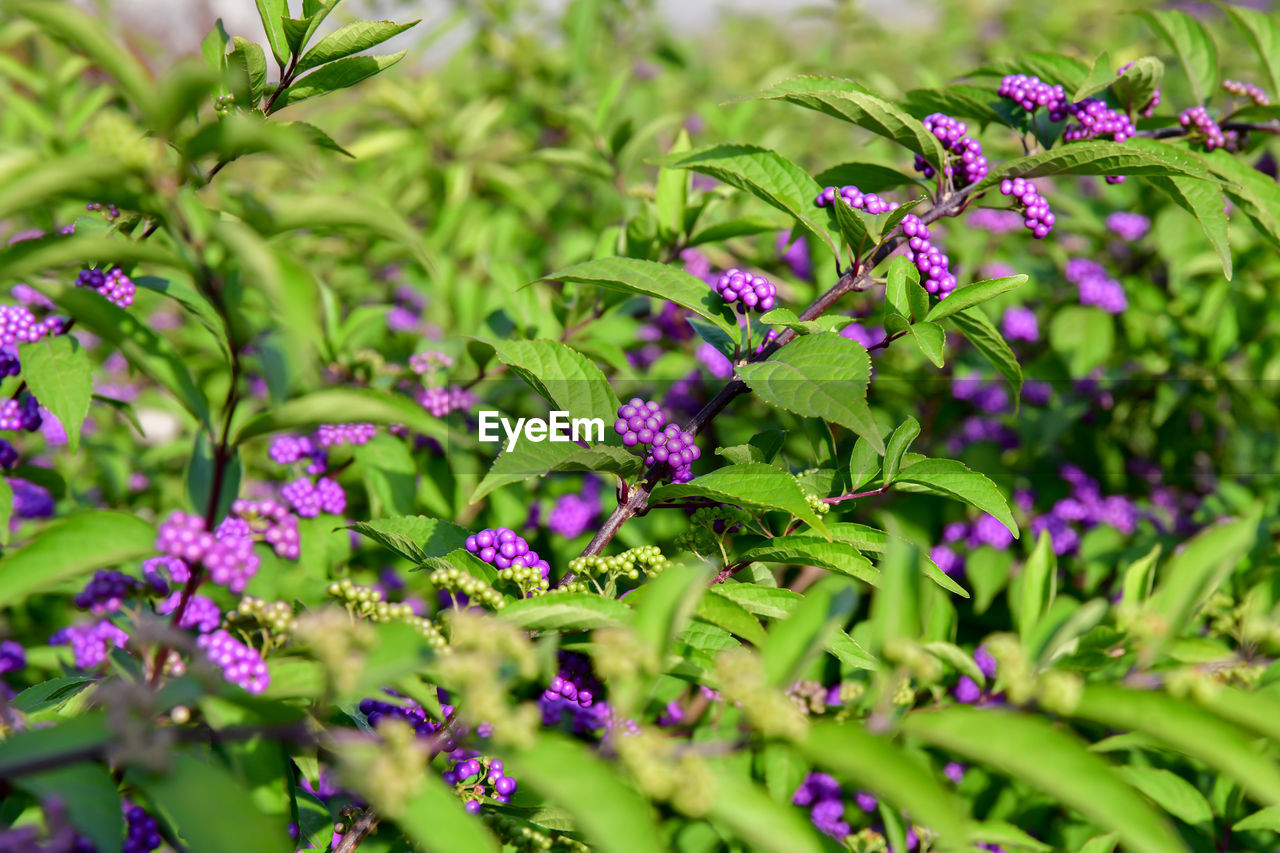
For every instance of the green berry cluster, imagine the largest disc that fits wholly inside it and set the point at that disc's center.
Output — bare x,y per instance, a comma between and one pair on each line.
523,835
646,559
274,617
528,578
454,579
571,586
709,526
810,697
224,104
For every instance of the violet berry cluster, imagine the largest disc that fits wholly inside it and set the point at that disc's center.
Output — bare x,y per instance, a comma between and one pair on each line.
1247,90
240,664
1031,93
106,591
1037,217
641,423
473,777
309,499
753,292
21,414
19,326
90,643
1096,286
573,698
442,401
327,435
228,558
856,199
1093,118
1198,118
268,521
506,549
142,831
113,285
932,263
822,795
288,449
968,165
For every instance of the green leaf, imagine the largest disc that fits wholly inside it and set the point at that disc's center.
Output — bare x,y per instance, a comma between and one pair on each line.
566,611
1100,77
71,548
765,174
895,608
1139,576
1037,753
854,226
563,376
959,101
346,405
1204,201
1083,337
847,100
151,354
1257,195
864,464
787,318
6,510
248,60
957,658
751,486
1139,83
199,478
903,290
868,177
1267,819
529,460
793,641
899,443
414,537
1188,729
1135,156
1194,46
672,194
666,604
334,76
434,819
390,475
974,294
1198,569
614,818
850,752
724,612
848,652
272,14
89,795
814,551
932,341
1172,793
351,39
745,226
819,376
1101,843
771,602
340,214
1049,67
183,794
59,373
758,819
631,275
987,340
1263,32
952,479
1008,835
1039,586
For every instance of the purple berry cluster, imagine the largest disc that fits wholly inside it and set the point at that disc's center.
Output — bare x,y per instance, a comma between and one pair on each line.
268,520
1148,109
1037,217
428,360
1095,286
932,263
1247,90
674,447
573,514
288,449
442,401
473,777
1093,118
1031,93
19,326
309,499
754,292
106,591
142,831
113,285
968,692
822,795
1019,324
1128,226
989,397
573,697
1198,118
639,421
856,199
90,643
202,613
506,549
239,663
21,414
327,435
968,165
13,656
228,557
865,335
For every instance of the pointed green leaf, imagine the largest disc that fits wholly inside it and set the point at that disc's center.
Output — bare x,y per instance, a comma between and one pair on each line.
1204,201
351,39
414,537
1263,31
59,373
974,294
987,339
1137,156
334,76
566,611
814,551
754,485
347,405
899,443
793,641
759,820
1172,793
272,14
1039,585
563,376
1193,45
952,479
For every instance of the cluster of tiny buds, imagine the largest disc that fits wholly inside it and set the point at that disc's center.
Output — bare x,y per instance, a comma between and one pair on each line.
856,199
110,211
810,697
455,580
932,263
817,504
1248,90
1198,117
276,617
526,836
1037,217
1030,93
754,292
629,564
113,285
425,362
367,601
969,164
224,104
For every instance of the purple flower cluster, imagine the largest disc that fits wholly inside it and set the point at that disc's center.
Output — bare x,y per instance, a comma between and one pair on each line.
1128,226
1037,217
755,292
1248,90
1095,286
30,500
1085,506
228,556
8,454
90,643
309,499
21,414
1093,118
822,795
928,258
1030,93
968,165
1019,324
240,664
967,690
106,591
328,435
504,548
856,199
978,430
573,698
113,285
1198,118
442,401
